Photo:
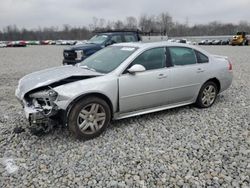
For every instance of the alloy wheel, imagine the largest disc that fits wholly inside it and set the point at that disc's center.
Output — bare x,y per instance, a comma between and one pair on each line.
91,118
208,95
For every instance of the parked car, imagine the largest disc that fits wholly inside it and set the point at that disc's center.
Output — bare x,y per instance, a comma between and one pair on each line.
78,53
45,42
225,42
202,42
121,81
2,45
209,42
33,42
183,41
205,42
80,42
216,42
21,43
171,40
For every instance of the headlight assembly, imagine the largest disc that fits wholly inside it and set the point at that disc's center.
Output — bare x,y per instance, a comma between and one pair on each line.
50,95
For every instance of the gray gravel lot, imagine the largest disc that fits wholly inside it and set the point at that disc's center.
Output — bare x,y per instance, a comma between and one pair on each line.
182,147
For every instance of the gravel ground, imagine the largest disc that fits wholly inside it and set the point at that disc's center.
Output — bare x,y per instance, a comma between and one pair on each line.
182,147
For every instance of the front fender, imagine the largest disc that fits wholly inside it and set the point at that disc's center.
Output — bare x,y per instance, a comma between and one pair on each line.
107,86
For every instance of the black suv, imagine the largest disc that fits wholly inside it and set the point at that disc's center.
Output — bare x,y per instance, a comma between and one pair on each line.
78,53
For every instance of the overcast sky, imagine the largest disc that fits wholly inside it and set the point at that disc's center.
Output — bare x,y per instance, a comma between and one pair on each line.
46,13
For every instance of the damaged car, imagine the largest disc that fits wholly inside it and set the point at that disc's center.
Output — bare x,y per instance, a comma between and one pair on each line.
120,81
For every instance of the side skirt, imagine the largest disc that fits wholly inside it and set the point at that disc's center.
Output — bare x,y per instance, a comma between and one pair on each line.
148,110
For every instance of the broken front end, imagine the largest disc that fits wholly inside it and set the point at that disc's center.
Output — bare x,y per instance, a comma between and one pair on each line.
40,108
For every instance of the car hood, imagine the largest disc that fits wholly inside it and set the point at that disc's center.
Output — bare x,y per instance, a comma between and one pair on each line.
85,46
50,76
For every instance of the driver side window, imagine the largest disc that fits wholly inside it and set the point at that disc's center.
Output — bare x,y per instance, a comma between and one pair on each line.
151,59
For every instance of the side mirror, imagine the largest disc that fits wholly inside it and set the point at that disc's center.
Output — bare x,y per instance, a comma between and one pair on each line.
136,68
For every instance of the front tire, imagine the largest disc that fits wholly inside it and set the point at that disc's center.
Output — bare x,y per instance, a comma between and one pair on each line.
207,95
89,117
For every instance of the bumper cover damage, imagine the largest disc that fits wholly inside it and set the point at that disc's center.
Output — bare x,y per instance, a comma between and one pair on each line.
39,108
38,115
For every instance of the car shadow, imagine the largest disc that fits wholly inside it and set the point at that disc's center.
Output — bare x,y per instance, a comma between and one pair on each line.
161,114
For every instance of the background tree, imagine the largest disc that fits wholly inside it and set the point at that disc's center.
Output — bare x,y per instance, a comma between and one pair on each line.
162,24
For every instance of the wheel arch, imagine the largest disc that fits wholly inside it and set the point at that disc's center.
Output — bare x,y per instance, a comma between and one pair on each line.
93,94
216,81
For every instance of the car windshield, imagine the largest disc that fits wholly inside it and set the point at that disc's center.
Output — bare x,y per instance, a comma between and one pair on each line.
107,59
98,39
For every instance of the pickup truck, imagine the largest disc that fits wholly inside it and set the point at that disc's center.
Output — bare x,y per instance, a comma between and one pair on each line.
78,53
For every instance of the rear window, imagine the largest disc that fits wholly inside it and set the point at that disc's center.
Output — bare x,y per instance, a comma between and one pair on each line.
182,56
201,58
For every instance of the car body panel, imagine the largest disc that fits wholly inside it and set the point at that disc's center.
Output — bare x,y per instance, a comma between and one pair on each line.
185,82
105,85
151,86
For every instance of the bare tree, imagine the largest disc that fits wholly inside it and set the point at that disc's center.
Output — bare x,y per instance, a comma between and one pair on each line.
118,25
166,23
94,24
148,24
143,21
131,22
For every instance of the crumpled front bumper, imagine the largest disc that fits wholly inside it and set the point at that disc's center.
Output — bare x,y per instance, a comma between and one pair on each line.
37,115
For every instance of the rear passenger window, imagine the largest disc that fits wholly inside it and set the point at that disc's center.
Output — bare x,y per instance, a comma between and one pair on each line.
116,38
182,56
130,38
201,58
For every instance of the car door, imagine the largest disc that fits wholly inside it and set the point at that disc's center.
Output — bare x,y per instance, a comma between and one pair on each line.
186,74
145,89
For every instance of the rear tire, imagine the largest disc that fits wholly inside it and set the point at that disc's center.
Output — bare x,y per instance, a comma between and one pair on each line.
89,117
207,95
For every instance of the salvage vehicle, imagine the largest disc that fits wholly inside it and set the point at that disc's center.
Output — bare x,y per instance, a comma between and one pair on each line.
240,39
33,42
225,42
3,45
121,81
217,42
78,53
21,43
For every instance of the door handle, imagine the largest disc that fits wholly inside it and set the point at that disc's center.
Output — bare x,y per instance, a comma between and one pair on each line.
160,76
199,70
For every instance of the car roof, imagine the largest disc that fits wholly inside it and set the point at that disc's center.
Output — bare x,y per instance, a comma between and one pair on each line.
151,44
117,32
146,45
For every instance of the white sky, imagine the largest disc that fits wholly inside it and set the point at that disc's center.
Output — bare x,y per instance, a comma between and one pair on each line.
46,13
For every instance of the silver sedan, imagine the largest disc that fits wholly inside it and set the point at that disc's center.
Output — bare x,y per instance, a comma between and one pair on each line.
121,81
